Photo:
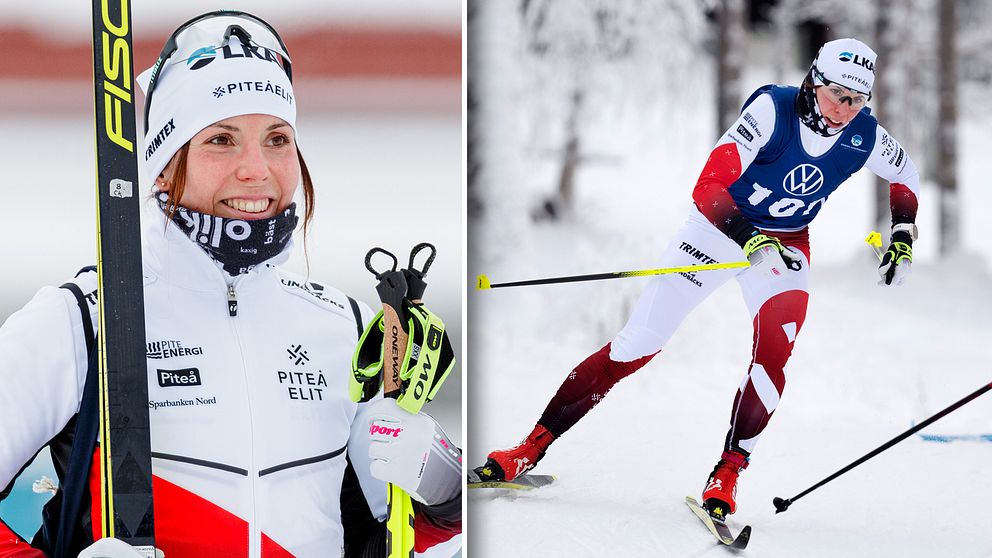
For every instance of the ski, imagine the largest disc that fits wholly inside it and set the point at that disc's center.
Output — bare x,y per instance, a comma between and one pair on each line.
523,482
125,443
719,528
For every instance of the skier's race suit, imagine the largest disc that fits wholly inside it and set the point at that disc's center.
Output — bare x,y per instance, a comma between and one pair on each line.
777,173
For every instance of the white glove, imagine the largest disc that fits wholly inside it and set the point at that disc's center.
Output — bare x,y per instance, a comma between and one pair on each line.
898,259
116,548
414,453
769,257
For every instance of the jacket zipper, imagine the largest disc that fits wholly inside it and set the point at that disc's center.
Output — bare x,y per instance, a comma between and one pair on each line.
254,539
232,301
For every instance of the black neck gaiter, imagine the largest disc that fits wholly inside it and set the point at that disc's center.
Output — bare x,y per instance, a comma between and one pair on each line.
237,244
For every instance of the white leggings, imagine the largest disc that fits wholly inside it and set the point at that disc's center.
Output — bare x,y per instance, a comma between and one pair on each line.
777,305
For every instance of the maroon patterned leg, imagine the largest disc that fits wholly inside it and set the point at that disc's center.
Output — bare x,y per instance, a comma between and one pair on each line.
775,329
585,387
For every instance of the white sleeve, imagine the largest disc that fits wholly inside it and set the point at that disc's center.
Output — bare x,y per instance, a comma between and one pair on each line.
752,130
889,161
358,444
43,362
358,452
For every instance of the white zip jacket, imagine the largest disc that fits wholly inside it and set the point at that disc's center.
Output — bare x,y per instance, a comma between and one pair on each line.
250,416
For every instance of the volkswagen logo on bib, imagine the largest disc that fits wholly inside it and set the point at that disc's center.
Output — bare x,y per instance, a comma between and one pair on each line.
803,180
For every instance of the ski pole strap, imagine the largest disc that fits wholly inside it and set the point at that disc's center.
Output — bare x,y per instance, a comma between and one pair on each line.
415,277
366,362
429,358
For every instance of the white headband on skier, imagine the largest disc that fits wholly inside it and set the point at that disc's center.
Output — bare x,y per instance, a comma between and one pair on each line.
846,62
211,76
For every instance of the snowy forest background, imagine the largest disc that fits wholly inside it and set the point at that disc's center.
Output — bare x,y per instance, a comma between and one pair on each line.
589,121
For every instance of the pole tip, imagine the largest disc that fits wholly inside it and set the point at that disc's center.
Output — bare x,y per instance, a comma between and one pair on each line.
482,283
780,504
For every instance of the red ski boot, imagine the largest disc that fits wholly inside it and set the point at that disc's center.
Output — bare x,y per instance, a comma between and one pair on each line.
508,464
720,495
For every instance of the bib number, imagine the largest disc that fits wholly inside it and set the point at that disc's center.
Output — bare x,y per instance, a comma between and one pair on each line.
785,207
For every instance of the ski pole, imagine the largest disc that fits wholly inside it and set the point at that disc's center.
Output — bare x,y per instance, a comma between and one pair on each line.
782,505
482,282
396,289
392,290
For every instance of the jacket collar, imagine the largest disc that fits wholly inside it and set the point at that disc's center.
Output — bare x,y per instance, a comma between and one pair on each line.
169,256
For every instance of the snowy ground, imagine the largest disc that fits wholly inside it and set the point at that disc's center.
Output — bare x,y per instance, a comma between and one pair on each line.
869,362
866,365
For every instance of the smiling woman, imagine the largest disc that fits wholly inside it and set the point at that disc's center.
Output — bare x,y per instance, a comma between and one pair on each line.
246,168
270,455
249,164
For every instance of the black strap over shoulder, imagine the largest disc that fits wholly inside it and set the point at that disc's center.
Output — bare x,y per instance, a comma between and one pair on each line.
62,533
85,313
358,316
84,310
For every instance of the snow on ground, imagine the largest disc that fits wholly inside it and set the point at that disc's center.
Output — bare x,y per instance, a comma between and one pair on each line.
869,362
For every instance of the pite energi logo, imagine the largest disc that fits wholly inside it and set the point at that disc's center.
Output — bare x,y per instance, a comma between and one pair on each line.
201,57
856,140
803,180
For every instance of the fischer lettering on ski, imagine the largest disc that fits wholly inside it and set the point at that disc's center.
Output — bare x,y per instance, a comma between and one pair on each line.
117,80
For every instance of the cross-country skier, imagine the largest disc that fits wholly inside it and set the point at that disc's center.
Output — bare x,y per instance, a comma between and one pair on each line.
764,182
257,448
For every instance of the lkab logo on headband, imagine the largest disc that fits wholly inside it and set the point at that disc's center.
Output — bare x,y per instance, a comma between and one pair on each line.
857,59
204,56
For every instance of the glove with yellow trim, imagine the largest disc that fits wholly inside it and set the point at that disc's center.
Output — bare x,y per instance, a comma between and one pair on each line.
770,257
898,259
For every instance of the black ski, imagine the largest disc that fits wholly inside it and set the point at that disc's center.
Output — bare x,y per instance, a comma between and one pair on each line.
523,482
718,528
126,467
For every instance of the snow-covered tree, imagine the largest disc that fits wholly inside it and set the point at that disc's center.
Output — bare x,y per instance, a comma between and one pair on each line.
577,68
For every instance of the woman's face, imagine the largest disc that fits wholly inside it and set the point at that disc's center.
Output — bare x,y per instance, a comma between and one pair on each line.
244,167
836,114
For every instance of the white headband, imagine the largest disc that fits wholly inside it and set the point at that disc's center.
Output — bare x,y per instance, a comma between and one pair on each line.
847,62
208,86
